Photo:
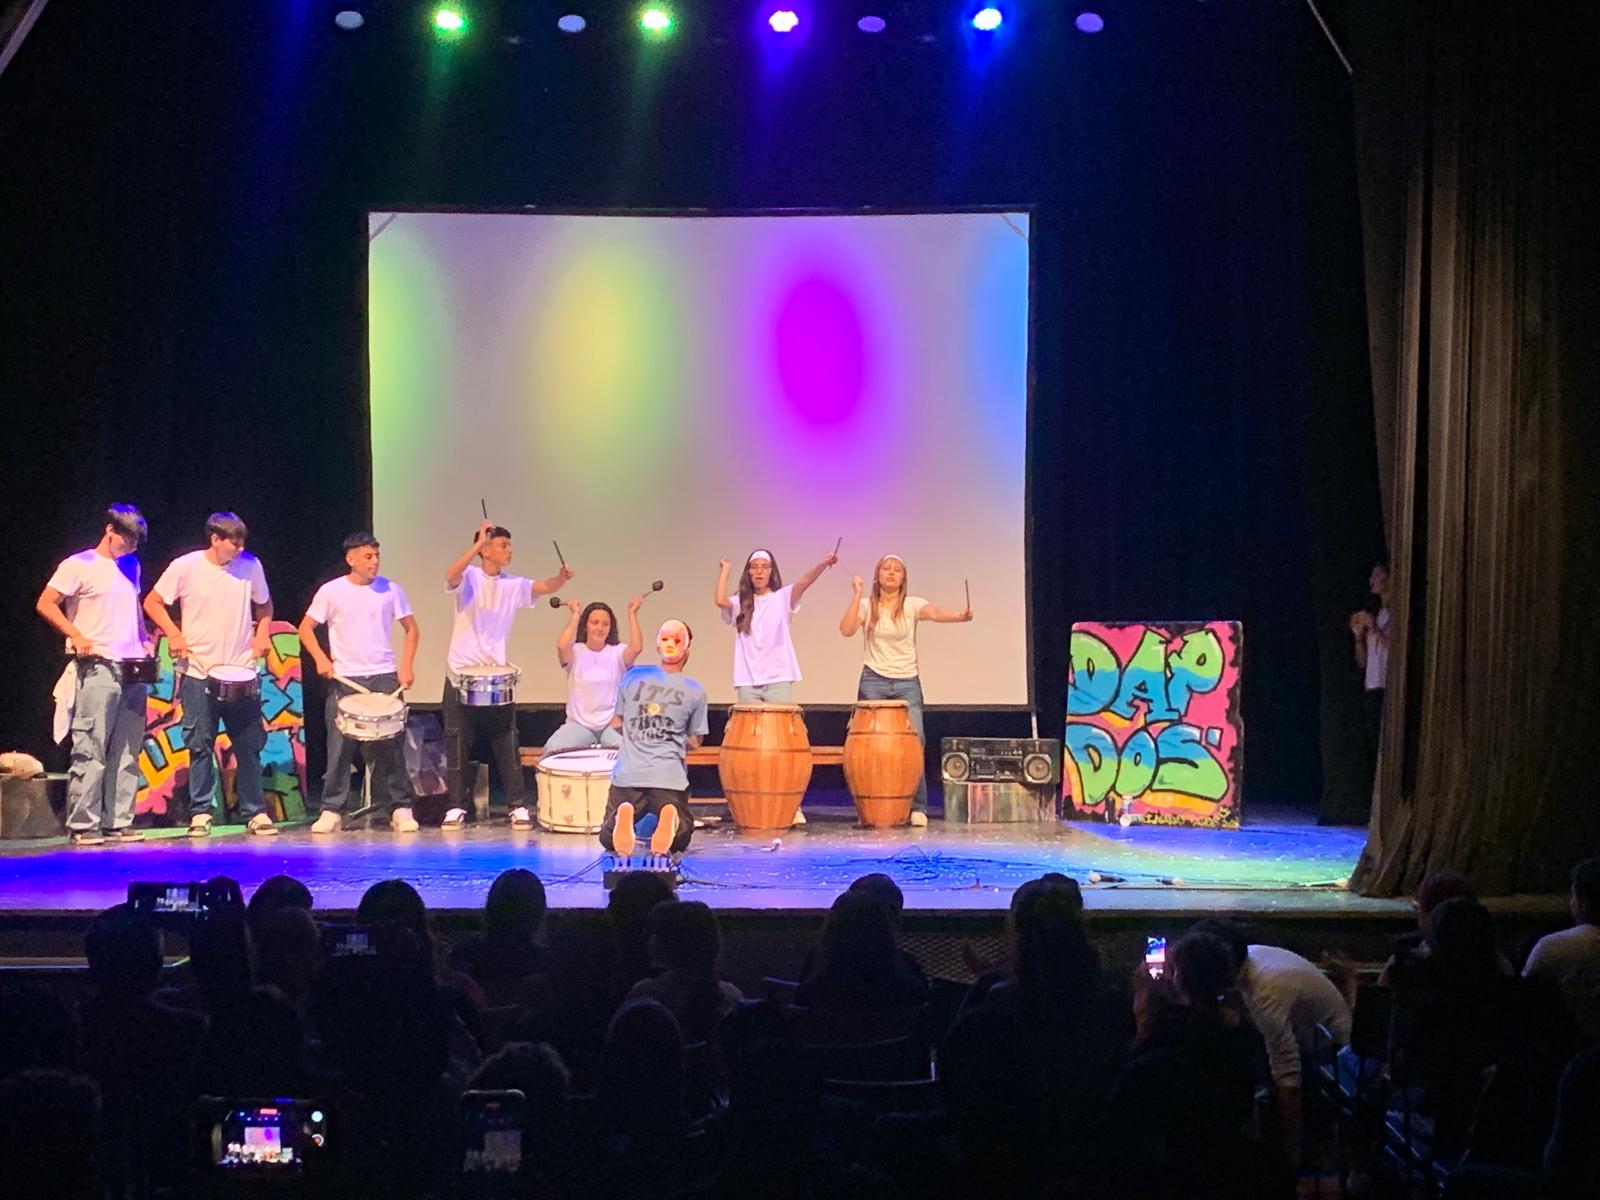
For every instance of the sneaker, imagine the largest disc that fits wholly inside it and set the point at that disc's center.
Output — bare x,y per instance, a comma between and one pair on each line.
86,837
666,830
622,837
454,818
919,820
328,822
401,821
799,819
521,819
126,834
200,825
261,825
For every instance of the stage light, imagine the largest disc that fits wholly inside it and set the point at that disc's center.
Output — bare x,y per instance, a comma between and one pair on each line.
449,20
349,19
656,21
785,20
987,20
1090,22
871,24
572,23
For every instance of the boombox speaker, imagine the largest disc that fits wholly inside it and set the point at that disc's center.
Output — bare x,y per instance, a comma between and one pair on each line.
1000,779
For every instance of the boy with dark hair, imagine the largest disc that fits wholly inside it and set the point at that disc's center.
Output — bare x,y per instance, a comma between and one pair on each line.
1570,959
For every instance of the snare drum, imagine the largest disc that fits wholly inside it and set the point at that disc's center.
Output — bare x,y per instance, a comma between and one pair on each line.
140,670
370,716
229,685
573,787
485,687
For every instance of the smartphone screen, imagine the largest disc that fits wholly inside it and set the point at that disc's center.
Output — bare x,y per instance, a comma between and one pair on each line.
492,1132
347,941
1155,956
270,1136
169,905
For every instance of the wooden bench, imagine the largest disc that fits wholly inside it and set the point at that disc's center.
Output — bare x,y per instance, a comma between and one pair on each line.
708,756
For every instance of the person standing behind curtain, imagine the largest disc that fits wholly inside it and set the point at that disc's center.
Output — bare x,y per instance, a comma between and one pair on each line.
1371,633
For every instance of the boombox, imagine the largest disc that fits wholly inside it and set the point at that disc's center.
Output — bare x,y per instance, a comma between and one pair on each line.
1000,779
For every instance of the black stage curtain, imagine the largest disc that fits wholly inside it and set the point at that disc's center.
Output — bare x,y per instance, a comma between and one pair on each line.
1476,143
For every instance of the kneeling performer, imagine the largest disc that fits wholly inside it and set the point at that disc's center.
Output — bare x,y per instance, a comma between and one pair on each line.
661,714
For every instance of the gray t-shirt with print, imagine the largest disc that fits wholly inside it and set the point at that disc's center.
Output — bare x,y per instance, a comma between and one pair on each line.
660,711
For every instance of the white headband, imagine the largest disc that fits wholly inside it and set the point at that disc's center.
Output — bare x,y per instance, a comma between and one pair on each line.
896,557
755,554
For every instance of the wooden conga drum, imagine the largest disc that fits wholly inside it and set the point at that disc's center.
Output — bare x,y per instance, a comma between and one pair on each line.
765,764
882,762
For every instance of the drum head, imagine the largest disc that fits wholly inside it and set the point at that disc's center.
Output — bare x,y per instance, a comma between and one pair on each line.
487,672
364,704
771,708
881,704
232,674
597,760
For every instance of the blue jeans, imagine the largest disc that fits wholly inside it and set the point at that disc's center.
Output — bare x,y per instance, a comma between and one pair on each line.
107,731
387,758
781,692
573,736
242,718
880,687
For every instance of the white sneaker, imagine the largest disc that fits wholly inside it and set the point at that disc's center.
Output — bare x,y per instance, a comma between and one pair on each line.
919,820
401,821
328,822
455,818
200,825
622,834
521,819
799,819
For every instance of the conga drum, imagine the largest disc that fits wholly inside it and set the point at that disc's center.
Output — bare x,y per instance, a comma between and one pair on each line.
882,762
765,764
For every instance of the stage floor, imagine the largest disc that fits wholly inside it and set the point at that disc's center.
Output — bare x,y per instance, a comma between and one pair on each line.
1284,865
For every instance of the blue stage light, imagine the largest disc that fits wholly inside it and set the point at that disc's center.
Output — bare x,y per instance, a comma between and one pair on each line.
1090,22
571,23
871,24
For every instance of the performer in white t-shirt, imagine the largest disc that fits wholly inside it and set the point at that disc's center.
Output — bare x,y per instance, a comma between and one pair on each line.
488,598
93,600
359,610
225,614
1371,633
594,668
888,625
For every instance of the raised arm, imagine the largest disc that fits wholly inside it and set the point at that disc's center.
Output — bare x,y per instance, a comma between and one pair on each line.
155,607
932,612
568,635
49,607
310,645
408,651
454,572
812,576
543,587
850,623
722,585
631,652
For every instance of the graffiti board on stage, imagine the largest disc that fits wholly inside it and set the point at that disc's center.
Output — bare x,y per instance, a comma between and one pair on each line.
164,759
1153,727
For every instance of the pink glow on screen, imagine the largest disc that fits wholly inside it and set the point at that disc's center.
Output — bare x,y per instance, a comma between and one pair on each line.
821,352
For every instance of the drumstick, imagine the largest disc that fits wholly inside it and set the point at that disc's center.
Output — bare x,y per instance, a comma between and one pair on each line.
484,504
839,541
557,545
351,683
968,588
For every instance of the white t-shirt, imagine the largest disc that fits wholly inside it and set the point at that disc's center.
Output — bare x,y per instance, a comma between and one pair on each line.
766,653
1288,997
1570,960
358,617
891,649
100,596
1378,651
214,603
592,679
485,607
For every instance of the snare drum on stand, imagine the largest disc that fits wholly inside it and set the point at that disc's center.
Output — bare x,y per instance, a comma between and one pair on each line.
370,716
487,686
230,685
573,787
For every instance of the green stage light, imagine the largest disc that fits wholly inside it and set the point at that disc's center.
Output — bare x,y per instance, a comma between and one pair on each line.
656,21
449,20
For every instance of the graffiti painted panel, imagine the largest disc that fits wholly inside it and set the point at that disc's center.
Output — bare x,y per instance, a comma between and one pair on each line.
164,759
1153,730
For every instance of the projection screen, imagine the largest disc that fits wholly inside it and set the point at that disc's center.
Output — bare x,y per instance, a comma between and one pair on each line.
656,393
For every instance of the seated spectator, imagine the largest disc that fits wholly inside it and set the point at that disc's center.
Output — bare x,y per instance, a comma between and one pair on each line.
504,957
539,1074
886,892
1287,997
684,945
1569,960
628,920
288,948
857,966
1570,1161
1178,1122
276,893
50,1136
141,1052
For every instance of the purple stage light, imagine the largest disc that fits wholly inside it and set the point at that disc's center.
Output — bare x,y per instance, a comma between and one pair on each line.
1090,22
784,20
871,24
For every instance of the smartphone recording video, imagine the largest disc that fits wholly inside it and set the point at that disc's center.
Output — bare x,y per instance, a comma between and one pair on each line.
176,906
348,941
491,1143
264,1136
1155,956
